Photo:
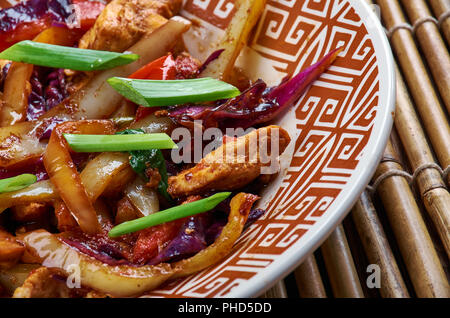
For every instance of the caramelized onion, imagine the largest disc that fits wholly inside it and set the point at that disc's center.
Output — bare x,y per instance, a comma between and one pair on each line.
41,191
105,174
95,100
15,94
17,84
101,170
144,199
125,280
64,175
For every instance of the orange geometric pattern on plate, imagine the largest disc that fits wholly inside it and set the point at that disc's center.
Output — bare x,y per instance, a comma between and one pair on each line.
334,120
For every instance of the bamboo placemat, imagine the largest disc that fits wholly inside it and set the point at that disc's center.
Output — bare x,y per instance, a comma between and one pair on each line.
400,226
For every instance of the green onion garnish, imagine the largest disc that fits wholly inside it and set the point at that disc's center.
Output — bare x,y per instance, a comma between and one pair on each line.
101,143
172,92
17,183
140,160
175,213
58,56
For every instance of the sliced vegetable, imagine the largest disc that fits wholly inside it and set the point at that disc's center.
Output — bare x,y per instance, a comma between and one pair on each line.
46,92
140,160
258,104
16,92
170,214
235,37
102,143
165,68
151,240
105,170
64,175
58,56
188,240
41,191
28,18
240,207
108,169
94,100
144,199
172,92
129,280
17,183
159,69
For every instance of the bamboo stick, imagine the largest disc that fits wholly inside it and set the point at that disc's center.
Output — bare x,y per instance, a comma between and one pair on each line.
414,241
441,9
277,291
429,181
340,266
426,100
432,44
309,281
377,248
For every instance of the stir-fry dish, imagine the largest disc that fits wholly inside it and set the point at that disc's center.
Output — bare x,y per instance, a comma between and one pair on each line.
126,162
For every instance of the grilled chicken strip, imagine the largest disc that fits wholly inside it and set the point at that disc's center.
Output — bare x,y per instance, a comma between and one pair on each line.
234,164
123,22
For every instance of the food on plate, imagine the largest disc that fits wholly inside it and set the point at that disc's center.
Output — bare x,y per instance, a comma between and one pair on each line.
126,162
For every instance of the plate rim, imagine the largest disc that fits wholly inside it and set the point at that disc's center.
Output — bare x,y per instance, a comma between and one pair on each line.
289,260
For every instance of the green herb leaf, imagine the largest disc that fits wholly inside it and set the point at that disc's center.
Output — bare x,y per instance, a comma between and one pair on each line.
171,214
122,142
65,57
140,160
151,93
17,183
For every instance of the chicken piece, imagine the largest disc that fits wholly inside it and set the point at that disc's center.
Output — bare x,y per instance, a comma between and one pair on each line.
123,22
234,164
10,250
47,283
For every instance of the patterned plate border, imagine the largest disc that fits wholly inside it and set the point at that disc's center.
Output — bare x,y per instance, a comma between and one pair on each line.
316,192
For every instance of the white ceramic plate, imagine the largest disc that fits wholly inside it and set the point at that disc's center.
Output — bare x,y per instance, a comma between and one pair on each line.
339,129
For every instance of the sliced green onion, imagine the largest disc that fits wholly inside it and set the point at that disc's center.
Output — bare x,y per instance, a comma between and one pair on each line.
172,92
140,160
17,183
172,214
58,56
101,143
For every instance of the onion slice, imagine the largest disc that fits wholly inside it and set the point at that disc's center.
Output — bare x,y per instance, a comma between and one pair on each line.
64,175
144,199
125,280
16,91
106,171
17,84
95,100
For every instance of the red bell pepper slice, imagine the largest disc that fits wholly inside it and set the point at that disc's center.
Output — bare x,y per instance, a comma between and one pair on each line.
152,240
163,68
